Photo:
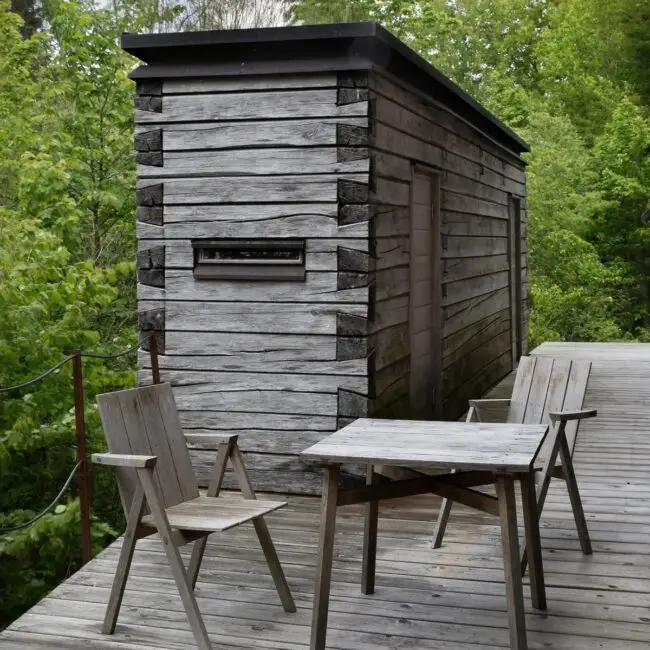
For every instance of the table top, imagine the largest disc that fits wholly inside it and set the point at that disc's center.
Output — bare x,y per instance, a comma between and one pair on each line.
422,443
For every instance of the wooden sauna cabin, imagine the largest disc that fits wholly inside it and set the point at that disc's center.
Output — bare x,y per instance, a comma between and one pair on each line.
328,228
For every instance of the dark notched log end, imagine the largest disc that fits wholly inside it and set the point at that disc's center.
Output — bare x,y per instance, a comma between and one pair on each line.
351,347
351,404
352,79
351,192
153,216
152,320
149,196
160,341
351,325
351,259
348,154
152,158
149,140
149,87
352,87
349,135
349,280
149,103
152,277
349,214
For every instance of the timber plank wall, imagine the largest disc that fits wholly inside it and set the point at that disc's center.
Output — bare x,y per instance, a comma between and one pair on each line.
257,157
478,180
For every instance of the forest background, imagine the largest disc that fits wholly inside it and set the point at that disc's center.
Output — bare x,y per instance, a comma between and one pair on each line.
570,76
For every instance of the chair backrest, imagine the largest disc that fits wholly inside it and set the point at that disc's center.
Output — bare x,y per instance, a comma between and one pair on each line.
145,421
543,385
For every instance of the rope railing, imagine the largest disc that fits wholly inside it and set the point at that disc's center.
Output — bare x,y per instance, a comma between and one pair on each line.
80,430
40,515
35,380
87,355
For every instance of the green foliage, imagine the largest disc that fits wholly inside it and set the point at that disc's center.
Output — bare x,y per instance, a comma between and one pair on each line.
568,75
67,277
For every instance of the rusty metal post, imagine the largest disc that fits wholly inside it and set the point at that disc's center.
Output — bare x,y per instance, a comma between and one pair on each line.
84,481
153,353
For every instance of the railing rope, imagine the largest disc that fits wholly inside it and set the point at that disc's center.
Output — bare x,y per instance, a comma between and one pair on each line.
40,515
84,485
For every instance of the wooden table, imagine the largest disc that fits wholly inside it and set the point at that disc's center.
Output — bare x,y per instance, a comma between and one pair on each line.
468,454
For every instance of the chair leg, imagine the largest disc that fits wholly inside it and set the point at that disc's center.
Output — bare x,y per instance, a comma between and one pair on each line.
263,534
214,487
533,543
545,481
124,563
369,538
574,496
174,558
441,523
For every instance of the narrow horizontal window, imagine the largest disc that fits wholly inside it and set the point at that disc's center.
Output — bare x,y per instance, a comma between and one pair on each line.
249,259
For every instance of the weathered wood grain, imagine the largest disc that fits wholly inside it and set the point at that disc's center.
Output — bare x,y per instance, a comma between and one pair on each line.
455,269
277,133
462,314
228,421
268,381
318,287
251,106
265,189
320,255
256,347
262,318
212,361
458,133
202,397
317,220
455,247
257,162
248,83
461,290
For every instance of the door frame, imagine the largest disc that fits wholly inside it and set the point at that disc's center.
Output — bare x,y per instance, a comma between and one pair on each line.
436,279
515,282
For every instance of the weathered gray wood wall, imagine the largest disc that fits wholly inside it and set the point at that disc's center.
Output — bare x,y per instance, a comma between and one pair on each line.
277,362
478,179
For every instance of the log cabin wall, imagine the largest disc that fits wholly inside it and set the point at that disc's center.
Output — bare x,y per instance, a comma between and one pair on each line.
482,319
257,157
409,198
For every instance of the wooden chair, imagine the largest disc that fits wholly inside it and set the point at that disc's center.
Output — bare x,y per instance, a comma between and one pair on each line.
159,492
545,390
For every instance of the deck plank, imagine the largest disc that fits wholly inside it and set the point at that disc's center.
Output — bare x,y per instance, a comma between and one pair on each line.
449,599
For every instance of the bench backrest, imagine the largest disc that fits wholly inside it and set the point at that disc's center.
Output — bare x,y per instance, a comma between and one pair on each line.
145,421
543,385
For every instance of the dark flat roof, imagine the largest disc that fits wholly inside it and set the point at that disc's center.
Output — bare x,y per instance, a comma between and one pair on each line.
312,48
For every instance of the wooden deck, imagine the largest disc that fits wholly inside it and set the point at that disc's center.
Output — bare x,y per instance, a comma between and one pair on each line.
450,599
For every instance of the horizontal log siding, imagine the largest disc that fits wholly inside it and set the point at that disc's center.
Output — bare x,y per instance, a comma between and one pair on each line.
255,158
477,176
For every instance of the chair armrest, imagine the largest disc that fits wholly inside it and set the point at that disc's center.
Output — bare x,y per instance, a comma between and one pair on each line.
124,460
212,438
565,416
478,403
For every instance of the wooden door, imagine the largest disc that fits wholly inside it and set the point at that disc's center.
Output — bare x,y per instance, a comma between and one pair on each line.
425,294
514,258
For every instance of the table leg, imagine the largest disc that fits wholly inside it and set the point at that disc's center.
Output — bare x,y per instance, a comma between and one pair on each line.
325,554
370,538
533,543
512,568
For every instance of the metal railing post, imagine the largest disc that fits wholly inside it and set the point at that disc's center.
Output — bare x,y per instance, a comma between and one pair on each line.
84,481
153,353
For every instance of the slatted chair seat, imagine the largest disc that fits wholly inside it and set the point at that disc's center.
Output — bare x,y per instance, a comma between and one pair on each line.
203,513
160,493
546,391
